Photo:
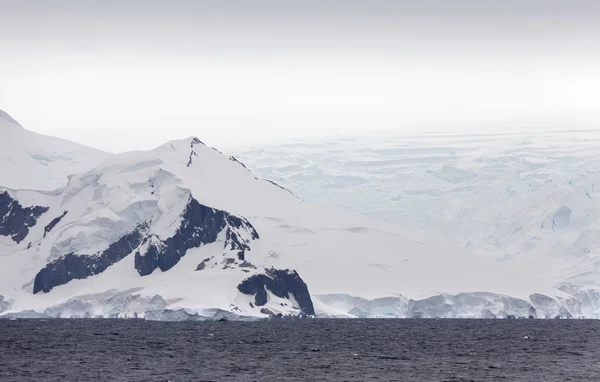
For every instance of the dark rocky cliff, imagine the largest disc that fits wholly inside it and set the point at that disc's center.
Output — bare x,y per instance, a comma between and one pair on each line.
80,266
282,283
53,223
199,225
15,220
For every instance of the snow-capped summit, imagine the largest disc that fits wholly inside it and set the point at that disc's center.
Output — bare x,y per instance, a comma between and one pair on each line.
181,230
169,216
8,122
33,161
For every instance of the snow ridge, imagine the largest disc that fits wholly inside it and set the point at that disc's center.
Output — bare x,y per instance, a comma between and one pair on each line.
6,121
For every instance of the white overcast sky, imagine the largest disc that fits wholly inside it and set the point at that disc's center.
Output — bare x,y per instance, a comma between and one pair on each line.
122,75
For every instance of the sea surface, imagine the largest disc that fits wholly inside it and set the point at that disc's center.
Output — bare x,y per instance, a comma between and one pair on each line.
300,350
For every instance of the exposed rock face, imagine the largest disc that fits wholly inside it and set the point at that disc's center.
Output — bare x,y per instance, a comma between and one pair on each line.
246,264
241,255
202,265
15,220
278,185
80,266
234,159
281,283
194,142
53,223
199,225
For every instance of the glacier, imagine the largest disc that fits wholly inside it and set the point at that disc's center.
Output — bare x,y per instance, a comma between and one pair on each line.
524,199
184,232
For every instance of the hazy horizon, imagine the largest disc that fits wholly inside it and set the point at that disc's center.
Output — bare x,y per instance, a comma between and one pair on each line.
122,77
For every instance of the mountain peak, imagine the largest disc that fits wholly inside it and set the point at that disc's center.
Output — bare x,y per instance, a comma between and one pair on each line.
7,121
196,141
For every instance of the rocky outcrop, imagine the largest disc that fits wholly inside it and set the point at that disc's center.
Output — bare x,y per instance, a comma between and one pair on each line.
195,141
234,159
15,220
53,223
282,283
241,255
80,266
279,186
202,265
199,225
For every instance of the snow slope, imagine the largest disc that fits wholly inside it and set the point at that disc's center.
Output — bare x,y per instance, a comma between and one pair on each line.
527,200
182,230
33,161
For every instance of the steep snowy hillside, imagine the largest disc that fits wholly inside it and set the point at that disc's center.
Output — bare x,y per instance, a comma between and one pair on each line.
184,232
528,201
32,161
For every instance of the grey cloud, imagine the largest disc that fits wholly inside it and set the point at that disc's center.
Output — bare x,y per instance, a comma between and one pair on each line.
307,28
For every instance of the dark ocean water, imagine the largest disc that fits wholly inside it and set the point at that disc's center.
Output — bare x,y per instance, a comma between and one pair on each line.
300,350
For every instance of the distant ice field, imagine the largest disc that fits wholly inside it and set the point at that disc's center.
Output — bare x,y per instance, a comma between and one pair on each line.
530,199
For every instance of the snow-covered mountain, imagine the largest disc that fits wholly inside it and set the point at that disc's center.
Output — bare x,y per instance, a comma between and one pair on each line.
33,161
185,232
